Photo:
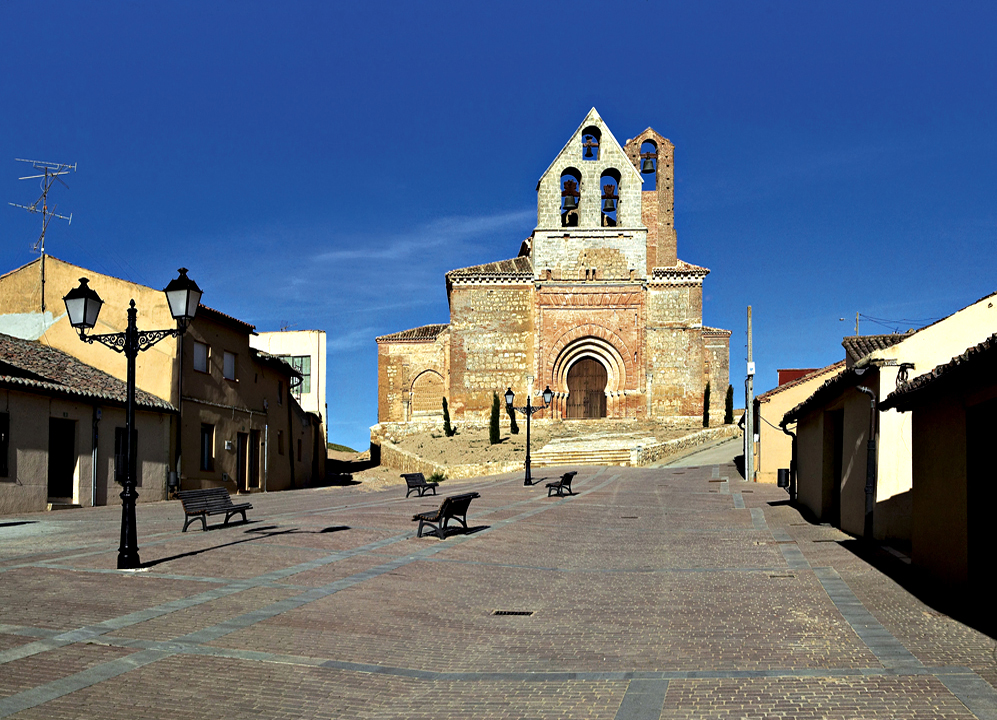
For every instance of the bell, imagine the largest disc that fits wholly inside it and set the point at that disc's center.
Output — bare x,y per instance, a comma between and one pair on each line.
608,205
570,202
647,167
588,151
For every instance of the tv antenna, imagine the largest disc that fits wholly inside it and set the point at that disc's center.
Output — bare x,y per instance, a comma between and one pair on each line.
49,173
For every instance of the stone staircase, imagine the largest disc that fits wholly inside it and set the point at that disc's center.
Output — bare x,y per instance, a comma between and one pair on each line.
590,449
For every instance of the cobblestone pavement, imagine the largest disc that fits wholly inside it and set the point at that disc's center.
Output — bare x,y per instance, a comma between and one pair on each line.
651,593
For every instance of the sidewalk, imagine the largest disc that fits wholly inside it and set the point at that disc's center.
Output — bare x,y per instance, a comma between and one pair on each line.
654,592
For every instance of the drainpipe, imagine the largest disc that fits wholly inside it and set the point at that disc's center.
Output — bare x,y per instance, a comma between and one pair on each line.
93,460
870,464
792,463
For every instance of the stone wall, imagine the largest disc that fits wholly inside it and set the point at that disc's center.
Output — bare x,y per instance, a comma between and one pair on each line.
399,365
716,349
491,344
646,455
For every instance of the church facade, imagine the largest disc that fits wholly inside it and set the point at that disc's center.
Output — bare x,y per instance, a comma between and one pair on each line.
596,305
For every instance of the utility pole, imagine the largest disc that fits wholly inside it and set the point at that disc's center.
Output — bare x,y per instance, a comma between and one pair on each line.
856,324
749,412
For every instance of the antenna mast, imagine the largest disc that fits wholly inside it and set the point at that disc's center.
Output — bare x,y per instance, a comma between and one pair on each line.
50,172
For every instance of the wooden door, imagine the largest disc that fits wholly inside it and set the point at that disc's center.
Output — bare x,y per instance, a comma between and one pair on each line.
587,381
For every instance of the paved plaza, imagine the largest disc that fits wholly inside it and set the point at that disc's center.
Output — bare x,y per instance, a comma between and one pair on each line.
676,592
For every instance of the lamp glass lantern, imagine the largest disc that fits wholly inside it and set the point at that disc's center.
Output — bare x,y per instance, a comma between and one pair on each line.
548,395
509,396
83,306
183,296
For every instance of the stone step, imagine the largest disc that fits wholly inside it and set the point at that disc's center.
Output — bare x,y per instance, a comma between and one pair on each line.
62,506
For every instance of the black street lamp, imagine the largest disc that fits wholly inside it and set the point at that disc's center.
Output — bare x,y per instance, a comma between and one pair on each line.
528,411
83,305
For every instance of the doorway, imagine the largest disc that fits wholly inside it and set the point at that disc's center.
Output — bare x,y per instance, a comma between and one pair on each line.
587,380
254,459
981,493
61,458
242,461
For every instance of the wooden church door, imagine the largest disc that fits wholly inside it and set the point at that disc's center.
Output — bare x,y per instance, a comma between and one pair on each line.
587,380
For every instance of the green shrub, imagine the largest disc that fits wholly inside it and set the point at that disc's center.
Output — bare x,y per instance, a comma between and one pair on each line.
729,406
437,476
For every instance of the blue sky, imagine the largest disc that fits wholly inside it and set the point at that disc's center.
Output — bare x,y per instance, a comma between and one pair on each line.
322,165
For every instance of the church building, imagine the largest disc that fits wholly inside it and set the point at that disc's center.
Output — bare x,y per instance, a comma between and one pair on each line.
596,305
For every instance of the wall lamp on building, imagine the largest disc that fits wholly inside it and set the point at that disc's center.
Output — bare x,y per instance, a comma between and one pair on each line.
83,306
528,411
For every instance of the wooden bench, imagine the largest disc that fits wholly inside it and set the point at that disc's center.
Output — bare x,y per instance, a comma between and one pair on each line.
452,507
561,485
417,483
198,504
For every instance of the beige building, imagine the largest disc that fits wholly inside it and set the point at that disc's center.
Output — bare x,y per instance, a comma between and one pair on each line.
834,426
62,432
953,413
596,305
239,425
774,449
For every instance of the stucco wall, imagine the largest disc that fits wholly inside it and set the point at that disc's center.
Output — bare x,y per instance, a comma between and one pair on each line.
26,487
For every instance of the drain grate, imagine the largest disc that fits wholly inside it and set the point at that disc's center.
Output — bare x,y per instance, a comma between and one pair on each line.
782,576
628,517
513,612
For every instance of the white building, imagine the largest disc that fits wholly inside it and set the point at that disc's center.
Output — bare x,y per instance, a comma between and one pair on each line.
305,351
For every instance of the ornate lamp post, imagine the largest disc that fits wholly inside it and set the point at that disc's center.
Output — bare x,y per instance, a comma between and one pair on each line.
83,305
528,411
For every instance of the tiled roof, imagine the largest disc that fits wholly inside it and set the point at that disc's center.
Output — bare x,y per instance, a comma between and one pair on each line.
681,272
219,315
275,362
425,333
858,346
31,365
766,396
715,332
978,356
830,390
518,268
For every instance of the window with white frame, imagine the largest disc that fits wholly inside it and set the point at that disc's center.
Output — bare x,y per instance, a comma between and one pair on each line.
228,366
200,357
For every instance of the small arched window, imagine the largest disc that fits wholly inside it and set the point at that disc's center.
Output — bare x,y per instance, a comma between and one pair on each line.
609,183
649,164
591,137
571,182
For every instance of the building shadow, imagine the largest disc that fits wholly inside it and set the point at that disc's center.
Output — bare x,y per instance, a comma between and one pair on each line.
974,609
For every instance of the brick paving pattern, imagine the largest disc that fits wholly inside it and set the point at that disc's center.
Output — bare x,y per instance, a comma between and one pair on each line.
653,593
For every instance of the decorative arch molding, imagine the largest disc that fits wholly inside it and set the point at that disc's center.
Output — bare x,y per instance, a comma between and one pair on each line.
426,393
594,341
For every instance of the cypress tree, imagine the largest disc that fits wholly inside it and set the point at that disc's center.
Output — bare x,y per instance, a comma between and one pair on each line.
493,426
448,430
729,406
706,405
513,426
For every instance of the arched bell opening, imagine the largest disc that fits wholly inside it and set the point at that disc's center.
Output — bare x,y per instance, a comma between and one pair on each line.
649,164
591,138
609,183
571,183
586,379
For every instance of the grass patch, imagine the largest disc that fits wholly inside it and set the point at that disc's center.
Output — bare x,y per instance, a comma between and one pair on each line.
339,448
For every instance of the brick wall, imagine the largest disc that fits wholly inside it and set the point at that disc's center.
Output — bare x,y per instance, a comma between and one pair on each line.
658,206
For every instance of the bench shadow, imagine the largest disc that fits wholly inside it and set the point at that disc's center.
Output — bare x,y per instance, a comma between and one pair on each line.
258,533
14,523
